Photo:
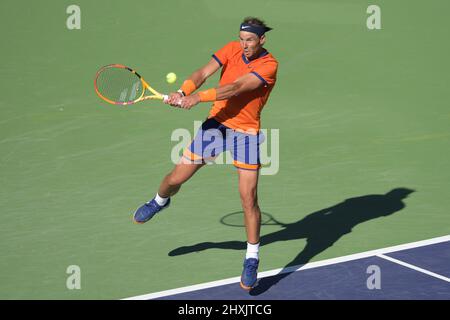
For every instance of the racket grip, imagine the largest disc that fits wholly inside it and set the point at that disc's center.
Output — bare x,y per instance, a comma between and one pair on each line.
165,98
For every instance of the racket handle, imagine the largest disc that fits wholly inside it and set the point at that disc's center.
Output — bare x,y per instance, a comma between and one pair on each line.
166,98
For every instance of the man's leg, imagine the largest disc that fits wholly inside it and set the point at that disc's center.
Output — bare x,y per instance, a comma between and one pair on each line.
170,185
248,183
182,172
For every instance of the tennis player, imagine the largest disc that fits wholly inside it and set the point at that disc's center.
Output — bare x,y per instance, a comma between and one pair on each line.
247,79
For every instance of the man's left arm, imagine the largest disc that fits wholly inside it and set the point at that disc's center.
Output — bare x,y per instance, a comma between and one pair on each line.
247,82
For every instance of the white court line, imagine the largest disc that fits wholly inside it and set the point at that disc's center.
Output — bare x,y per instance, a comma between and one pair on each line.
414,267
311,265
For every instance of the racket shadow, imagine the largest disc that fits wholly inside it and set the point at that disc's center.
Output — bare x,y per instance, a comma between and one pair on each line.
321,229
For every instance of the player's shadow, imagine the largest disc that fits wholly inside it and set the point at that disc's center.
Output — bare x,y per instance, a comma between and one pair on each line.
321,229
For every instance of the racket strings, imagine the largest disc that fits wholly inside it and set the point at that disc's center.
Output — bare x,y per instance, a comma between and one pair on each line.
119,85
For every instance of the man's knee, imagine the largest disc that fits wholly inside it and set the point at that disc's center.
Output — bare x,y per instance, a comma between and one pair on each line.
175,180
249,200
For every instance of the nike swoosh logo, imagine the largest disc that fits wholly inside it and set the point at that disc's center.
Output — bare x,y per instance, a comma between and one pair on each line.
245,27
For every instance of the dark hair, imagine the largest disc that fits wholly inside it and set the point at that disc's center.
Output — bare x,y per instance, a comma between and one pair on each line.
256,22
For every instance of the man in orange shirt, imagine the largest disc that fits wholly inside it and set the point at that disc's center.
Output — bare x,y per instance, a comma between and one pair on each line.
248,76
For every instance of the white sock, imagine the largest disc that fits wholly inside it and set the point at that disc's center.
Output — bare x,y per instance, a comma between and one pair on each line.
160,200
252,251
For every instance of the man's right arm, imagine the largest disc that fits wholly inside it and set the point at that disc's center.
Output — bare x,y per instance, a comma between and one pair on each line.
198,77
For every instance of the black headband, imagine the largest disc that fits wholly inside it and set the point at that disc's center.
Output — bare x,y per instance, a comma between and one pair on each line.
258,30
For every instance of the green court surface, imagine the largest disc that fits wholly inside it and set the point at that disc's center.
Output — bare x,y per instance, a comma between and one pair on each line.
360,112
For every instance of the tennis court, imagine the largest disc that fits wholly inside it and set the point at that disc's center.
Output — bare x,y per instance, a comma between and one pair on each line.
359,113
421,273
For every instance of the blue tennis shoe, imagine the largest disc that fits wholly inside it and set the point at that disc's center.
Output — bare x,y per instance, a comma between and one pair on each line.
148,210
249,274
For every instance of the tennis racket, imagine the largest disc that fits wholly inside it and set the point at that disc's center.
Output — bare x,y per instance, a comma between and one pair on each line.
118,84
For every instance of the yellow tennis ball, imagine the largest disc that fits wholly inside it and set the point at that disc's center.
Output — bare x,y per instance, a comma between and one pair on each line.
171,77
